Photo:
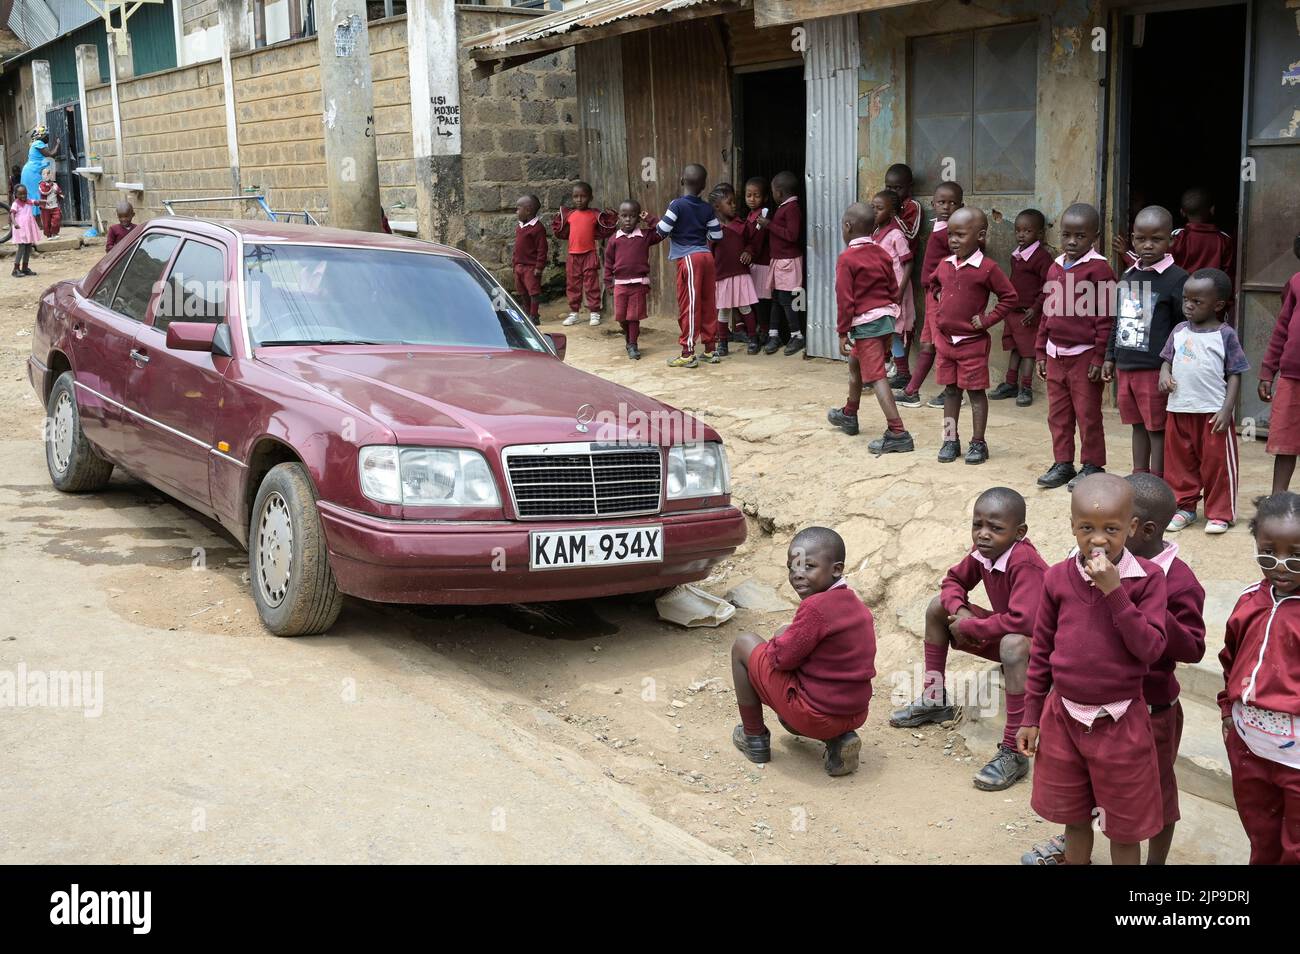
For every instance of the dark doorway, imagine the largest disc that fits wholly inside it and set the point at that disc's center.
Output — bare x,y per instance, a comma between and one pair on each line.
63,124
770,109
1183,93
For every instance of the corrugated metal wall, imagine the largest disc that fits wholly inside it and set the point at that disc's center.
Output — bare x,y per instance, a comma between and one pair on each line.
603,150
831,64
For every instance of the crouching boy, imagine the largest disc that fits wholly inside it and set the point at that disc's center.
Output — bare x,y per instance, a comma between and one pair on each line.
815,673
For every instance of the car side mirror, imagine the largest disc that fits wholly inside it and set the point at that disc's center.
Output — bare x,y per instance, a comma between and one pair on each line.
560,343
199,336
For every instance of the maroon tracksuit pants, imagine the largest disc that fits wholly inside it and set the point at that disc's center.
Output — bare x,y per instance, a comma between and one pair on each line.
1267,794
697,313
582,280
1199,461
1074,400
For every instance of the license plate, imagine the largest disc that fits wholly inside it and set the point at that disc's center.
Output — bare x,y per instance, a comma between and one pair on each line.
607,546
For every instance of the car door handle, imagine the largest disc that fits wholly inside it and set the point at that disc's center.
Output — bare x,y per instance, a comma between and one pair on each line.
78,330
141,358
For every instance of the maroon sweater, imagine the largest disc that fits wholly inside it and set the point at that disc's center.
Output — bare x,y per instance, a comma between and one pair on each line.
1091,648
1257,636
1029,278
1014,592
785,231
1184,632
1283,355
1202,245
530,245
116,233
1077,309
964,293
830,645
627,254
864,279
758,239
936,250
726,251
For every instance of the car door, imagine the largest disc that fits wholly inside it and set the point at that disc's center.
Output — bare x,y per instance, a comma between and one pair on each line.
102,337
178,393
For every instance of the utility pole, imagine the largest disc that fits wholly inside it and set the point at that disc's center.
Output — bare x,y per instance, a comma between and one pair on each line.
348,113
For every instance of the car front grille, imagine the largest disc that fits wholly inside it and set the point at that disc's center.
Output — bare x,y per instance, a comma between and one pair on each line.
583,480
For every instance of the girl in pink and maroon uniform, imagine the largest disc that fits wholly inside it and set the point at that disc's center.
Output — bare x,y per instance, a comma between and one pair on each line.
759,203
948,198
735,288
1281,364
1100,627
627,269
1260,701
889,235
785,243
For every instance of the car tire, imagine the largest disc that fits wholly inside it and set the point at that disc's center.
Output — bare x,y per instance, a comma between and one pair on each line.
288,565
74,465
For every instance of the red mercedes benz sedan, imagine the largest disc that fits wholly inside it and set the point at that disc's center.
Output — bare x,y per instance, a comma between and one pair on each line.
372,416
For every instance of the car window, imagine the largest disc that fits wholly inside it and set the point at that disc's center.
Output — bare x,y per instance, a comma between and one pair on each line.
108,285
144,272
196,287
298,294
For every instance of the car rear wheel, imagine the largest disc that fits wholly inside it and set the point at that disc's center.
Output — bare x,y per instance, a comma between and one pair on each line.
73,464
288,566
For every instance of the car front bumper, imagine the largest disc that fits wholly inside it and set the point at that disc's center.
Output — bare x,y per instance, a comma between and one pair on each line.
409,561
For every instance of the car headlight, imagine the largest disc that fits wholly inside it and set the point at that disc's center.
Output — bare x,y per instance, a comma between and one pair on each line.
427,477
697,470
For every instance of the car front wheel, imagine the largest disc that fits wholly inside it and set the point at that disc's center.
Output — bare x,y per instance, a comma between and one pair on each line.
73,464
288,566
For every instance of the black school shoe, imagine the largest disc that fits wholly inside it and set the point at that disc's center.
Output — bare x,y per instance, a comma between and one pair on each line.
722,351
1004,770
920,712
634,352
1003,391
903,399
977,453
794,345
1058,475
892,443
1025,397
773,345
900,381
752,347
841,756
846,422
1088,471
949,452
757,748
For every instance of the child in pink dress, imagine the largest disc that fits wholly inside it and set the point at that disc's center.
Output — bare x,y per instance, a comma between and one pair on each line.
22,218
759,202
735,287
889,236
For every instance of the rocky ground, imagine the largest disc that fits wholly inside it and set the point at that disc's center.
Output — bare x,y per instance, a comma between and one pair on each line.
594,730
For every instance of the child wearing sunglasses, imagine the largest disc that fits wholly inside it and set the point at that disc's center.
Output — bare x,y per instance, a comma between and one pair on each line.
1260,702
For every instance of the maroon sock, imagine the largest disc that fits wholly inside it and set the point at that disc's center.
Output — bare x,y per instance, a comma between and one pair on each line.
936,664
633,332
1158,473
901,365
751,717
924,362
1013,372
1015,715
851,407
895,425
751,324
1027,381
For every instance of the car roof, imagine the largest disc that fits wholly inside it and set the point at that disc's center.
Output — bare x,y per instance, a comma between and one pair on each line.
262,230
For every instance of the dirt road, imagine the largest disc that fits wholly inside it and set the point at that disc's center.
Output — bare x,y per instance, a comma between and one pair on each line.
568,732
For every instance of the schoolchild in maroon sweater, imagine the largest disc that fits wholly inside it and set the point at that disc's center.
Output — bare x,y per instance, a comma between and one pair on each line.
1029,264
1011,570
816,672
1154,506
1071,346
529,257
1260,701
759,204
735,293
948,198
866,298
785,245
1279,384
966,278
1100,627
627,269
1198,244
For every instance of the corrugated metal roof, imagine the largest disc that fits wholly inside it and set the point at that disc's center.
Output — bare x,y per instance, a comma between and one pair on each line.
33,22
596,13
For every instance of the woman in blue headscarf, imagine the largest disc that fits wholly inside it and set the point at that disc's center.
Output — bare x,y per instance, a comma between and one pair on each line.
38,157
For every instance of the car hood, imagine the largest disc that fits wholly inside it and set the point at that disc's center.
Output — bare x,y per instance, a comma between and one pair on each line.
484,398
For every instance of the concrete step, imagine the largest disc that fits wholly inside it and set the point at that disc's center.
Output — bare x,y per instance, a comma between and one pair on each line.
60,244
1201,682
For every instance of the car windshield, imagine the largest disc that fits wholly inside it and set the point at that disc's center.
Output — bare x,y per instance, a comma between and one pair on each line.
320,294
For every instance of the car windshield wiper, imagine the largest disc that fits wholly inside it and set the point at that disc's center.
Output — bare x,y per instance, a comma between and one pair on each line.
323,341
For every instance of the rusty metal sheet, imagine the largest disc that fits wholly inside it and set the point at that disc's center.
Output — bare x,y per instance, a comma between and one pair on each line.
603,147
596,13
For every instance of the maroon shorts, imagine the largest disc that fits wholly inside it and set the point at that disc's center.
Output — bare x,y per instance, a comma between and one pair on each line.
1106,776
870,353
1023,339
1284,422
1140,399
965,365
629,302
990,648
527,282
780,692
1167,730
